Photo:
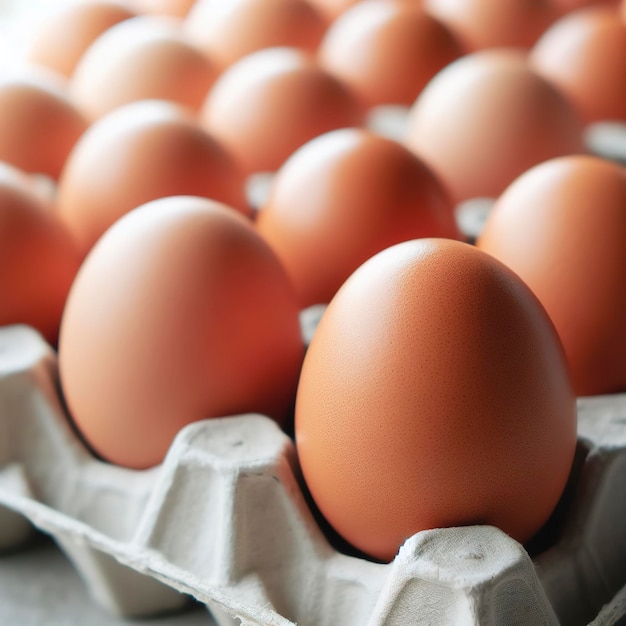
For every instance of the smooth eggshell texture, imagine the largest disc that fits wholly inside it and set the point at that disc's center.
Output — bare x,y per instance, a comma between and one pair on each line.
39,124
180,313
566,6
64,37
387,51
38,259
172,8
342,198
271,102
141,59
434,394
141,152
333,8
485,119
584,55
482,24
562,227
228,31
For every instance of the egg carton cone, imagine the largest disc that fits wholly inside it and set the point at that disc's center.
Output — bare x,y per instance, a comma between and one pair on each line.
224,519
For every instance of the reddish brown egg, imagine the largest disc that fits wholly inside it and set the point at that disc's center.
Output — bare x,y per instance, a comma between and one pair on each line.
271,102
333,8
180,313
584,55
562,227
67,33
172,8
38,259
228,31
39,125
342,198
434,393
485,119
481,24
387,51
566,6
141,59
141,152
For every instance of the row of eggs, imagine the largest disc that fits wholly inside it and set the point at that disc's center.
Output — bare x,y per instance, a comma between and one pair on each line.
435,388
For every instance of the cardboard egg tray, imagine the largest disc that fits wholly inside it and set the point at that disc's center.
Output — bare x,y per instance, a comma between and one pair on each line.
224,519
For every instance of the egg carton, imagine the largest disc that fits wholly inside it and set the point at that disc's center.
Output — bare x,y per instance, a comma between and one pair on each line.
224,519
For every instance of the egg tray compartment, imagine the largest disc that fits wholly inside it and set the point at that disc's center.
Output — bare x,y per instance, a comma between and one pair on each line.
223,519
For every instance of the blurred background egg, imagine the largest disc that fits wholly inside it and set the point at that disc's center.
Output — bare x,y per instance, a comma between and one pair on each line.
38,259
65,35
387,51
180,313
485,119
584,55
342,198
565,6
333,8
562,227
434,393
141,152
271,102
141,59
228,31
481,24
172,8
39,124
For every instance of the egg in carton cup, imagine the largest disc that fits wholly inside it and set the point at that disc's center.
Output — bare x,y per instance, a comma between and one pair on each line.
224,519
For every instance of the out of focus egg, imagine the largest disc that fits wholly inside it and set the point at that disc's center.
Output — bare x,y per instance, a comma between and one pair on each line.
141,59
342,198
333,8
66,34
141,152
180,313
584,55
228,31
562,227
434,393
38,259
486,118
172,8
387,51
271,102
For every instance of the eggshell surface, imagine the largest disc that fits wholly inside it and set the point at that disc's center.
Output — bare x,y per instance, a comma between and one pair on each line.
485,119
141,152
434,393
172,8
180,313
363,194
562,227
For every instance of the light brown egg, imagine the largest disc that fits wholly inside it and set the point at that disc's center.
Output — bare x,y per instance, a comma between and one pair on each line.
172,8
180,313
584,55
561,227
38,259
481,24
332,9
67,33
141,152
271,102
342,198
39,125
434,393
485,119
141,59
228,31
387,51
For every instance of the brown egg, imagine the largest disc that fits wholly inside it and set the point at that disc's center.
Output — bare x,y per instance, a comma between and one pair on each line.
141,152
180,313
387,51
562,227
584,55
39,125
141,59
485,119
38,259
271,102
481,24
333,8
67,33
434,393
342,198
173,8
228,31
566,6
